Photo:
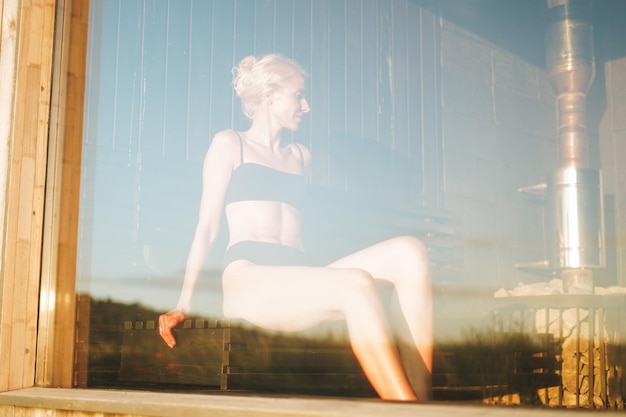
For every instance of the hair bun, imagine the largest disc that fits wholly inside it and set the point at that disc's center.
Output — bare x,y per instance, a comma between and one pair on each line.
241,73
255,78
247,63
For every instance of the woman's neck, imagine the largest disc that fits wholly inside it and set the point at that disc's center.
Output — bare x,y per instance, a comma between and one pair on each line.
263,133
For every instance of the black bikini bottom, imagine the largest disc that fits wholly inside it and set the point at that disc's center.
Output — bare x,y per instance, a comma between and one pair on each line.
263,253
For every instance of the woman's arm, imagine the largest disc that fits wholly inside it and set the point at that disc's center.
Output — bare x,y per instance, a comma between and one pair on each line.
219,162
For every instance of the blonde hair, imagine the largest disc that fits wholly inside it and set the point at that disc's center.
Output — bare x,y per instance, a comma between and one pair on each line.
254,79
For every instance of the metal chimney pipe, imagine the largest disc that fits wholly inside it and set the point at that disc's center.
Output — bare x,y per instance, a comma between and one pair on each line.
574,190
571,70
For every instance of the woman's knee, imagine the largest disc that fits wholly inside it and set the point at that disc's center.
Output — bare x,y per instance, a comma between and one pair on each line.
358,293
410,250
410,245
356,284
412,256
356,280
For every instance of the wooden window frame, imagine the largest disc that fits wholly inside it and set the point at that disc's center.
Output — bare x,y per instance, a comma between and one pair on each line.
36,117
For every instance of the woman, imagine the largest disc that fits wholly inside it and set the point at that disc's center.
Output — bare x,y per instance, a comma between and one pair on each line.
258,182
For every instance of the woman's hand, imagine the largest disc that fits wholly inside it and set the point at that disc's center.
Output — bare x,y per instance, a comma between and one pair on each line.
167,322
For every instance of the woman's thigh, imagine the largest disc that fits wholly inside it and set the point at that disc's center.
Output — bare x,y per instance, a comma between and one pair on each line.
389,260
291,297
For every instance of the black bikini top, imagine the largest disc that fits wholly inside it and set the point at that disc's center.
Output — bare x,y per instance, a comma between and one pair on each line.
255,182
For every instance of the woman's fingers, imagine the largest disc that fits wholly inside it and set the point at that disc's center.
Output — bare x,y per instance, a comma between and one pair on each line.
167,322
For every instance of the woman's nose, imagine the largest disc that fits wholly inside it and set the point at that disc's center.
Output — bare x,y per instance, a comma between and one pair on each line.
304,105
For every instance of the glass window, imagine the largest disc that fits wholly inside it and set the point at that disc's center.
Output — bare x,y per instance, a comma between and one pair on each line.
419,130
159,88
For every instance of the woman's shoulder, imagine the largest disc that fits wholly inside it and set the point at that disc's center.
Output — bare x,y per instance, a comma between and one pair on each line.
224,147
225,142
226,137
301,151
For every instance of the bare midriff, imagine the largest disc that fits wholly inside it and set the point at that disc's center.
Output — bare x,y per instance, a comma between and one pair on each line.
263,221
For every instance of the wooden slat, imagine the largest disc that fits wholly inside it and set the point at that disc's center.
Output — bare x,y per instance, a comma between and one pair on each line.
318,91
352,385
58,251
294,360
336,91
432,177
25,194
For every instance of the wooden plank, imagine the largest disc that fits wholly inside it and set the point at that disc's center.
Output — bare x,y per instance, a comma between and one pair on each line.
318,92
336,89
264,27
353,93
69,201
349,385
222,47
295,360
364,168
55,352
283,27
177,85
200,79
127,80
302,44
25,194
431,118
400,173
414,105
385,93
156,28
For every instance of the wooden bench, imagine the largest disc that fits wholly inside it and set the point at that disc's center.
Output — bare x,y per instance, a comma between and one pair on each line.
211,354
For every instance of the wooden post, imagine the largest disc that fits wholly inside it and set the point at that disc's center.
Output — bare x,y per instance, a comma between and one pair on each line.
25,191
56,350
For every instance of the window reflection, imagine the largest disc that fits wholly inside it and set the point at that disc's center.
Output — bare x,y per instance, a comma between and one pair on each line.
418,129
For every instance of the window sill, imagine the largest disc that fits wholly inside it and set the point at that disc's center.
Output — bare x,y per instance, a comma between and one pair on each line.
175,405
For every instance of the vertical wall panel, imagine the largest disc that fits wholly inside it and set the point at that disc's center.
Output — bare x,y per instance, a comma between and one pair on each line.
415,93
399,76
222,59
104,61
128,74
283,27
365,168
302,45
243,46
319,92
432,153
385,63
200,81
264,27
156,47
177,81
336,88
353,97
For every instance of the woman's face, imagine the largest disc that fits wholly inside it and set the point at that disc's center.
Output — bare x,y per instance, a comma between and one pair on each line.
288,104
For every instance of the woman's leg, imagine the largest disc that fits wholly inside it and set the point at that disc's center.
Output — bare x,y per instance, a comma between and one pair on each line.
295,298
403,261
